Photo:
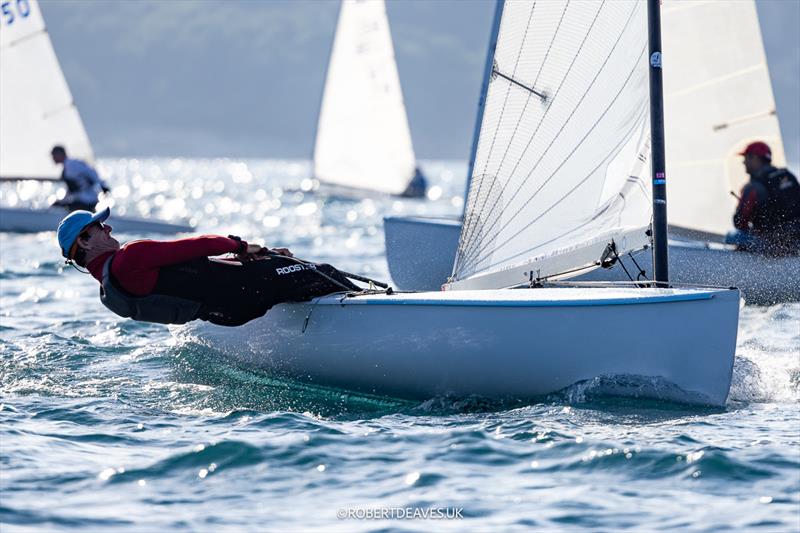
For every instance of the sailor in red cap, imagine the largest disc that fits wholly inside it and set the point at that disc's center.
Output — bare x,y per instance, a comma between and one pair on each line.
768,215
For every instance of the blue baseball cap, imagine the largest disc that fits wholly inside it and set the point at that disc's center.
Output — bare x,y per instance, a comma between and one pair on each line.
73,224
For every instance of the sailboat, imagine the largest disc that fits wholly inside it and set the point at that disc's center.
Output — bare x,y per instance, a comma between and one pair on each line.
559,177
718,98
37,113
363,141
721,92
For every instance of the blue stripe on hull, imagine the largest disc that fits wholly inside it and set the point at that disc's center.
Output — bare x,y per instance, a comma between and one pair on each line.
528,303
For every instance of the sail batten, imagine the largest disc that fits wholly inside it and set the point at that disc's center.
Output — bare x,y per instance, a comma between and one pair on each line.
36,107
363,137
26,37
556,172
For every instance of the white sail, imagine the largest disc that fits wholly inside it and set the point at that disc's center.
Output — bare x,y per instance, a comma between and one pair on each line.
718,98
36,107
561,167
363,139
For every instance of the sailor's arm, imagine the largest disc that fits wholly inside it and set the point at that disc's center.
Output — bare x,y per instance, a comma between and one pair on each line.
154,254
99,181
94,178
747,208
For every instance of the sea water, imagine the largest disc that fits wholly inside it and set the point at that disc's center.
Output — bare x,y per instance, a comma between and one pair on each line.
112,424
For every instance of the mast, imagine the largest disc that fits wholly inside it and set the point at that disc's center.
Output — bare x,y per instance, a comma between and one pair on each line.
487,73
658,160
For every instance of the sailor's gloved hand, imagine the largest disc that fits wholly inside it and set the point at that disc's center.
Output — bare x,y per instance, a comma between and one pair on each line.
252,251
281,251
255,251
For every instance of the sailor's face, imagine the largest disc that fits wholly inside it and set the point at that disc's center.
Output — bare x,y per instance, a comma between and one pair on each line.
750,163
97,236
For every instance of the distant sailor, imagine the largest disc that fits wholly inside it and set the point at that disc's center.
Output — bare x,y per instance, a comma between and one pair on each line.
417,187
174,282
767,218
83,183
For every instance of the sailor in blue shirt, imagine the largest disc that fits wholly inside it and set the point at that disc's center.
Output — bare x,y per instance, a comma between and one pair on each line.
83,183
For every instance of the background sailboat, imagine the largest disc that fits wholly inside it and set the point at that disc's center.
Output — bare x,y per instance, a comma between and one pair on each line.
36,113
564,138
718,98
363,139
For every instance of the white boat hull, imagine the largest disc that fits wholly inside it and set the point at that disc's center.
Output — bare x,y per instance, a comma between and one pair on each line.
762,280
35,220
497,344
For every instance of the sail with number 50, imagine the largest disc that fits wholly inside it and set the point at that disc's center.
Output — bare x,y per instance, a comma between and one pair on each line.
36,107
561,165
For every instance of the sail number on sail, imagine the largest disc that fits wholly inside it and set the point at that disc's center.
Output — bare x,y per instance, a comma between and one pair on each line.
12,10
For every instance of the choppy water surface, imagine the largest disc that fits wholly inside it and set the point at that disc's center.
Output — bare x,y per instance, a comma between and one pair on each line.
111,423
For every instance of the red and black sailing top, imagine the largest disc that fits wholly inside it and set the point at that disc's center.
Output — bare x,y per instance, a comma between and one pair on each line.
769,200
137,263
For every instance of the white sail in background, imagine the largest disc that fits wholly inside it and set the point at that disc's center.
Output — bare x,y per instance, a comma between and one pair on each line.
718,98
558,176
36,107
363,138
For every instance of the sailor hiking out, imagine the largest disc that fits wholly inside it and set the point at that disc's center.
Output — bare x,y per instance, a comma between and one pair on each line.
174,282
767,218
83,182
